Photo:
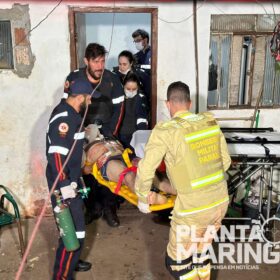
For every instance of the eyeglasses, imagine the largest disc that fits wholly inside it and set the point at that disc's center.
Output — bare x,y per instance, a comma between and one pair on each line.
137,40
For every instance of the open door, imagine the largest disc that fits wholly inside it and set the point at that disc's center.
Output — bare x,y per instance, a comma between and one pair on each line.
112,28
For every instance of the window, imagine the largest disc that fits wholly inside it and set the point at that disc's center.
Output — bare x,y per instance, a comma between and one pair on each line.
6,49
240,62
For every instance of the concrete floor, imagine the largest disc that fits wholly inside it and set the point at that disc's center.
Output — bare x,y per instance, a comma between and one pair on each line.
134,251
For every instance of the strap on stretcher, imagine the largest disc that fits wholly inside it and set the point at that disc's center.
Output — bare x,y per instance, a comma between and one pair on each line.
123,190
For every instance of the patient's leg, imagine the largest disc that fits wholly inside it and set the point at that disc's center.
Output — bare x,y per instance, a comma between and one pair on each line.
116,167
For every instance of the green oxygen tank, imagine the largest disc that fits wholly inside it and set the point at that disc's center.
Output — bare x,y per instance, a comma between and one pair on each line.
65,224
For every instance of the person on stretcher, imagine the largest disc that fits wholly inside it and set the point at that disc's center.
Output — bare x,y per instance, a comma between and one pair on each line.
107,154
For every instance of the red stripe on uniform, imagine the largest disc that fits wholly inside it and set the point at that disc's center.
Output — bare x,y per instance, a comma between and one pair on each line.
67,266
57,163
58,166
60,265
62,175
119,120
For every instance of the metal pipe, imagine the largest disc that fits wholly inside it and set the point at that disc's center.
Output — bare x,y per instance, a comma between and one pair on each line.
269,193
261,192
247,177
258,163
196,56
235,119
257,104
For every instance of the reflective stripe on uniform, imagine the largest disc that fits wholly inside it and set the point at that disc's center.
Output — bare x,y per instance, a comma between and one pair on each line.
58,149
205,133
204,271
202,208
65,95
79,135
118,100
140,120
190,275
208,180
63,114
80,234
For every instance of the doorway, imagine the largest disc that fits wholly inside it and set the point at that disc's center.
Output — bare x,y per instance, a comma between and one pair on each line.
112,27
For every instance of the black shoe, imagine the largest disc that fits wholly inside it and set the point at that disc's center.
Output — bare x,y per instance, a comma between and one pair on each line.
83,266
93,215
110,215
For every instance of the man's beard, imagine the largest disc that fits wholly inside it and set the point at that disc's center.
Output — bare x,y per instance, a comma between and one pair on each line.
96,75
83,107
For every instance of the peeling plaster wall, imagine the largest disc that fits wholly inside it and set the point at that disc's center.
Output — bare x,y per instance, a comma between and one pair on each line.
25,106
18,15
26,103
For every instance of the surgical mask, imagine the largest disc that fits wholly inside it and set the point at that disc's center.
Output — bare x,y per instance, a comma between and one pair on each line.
130,94
124,72
139,46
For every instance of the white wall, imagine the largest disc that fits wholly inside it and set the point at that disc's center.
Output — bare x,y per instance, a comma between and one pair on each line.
25,104
99,29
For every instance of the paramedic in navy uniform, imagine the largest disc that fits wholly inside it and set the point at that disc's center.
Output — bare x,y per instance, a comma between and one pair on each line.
107,112
63,130
141,41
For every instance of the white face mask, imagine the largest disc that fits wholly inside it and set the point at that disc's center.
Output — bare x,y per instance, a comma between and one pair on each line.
124,72
139,46
130,94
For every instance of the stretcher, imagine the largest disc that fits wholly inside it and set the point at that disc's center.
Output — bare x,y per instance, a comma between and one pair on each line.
251,150
255,155
124,191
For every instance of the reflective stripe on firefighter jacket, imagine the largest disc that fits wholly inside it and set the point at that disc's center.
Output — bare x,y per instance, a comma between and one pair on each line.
196,157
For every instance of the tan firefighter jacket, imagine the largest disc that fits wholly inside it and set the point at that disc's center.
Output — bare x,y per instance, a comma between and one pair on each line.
196,157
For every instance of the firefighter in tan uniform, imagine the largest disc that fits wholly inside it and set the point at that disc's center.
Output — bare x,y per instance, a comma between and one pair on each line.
196,157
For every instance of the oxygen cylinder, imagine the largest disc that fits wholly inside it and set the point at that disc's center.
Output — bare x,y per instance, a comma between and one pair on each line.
65,225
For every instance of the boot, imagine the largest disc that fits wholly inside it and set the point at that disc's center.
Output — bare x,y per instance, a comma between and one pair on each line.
110,216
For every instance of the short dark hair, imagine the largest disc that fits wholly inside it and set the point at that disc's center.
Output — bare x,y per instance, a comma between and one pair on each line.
131,77
128,55
140,32
178,92
94,50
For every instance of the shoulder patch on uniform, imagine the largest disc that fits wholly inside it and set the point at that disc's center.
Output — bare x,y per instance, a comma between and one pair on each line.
63,129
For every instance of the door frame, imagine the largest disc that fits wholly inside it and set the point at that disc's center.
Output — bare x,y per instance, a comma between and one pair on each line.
154,45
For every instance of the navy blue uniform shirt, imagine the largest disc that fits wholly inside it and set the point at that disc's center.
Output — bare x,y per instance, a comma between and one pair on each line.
108,108
62,130
144,57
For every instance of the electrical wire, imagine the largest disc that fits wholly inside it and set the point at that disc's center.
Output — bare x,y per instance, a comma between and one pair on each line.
44,208
259,3
113,26
274,13
46,203
179,21
219,9
39,23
